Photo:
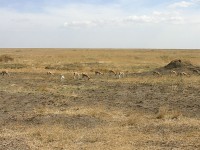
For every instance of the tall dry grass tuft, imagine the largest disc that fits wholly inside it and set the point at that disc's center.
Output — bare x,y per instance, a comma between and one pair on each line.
165,113
6,58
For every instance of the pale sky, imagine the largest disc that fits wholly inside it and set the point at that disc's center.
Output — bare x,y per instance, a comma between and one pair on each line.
100,24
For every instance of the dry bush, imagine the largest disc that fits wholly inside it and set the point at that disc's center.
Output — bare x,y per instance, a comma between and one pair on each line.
165,113
6,58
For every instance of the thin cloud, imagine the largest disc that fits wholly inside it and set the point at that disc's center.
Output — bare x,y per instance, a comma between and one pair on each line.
106,25
182,4
78,24
138,19
155,17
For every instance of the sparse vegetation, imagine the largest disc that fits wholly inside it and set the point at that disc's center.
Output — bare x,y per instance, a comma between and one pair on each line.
13,66
139,111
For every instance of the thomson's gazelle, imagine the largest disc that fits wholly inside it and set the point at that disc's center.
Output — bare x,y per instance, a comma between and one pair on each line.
98,73
121,75
77,75
5,72
62,78
84,75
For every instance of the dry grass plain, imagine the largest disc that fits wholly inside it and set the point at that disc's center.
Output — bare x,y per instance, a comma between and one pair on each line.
137,112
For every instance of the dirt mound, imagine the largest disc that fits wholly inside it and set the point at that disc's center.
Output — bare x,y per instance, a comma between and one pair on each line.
178,64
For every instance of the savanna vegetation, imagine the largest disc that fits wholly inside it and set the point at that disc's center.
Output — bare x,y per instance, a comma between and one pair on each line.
141,110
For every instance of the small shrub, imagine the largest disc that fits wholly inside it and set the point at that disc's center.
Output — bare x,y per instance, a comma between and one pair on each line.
166,113
6,58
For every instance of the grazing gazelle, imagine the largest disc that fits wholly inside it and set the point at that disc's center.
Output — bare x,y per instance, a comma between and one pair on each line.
49,73
196,71
62,78
98,73
157,73
112,72
183,74
77,75
84,75
173,72
121,75
5,72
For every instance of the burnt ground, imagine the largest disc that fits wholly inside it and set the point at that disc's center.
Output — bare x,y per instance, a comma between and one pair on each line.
22,93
